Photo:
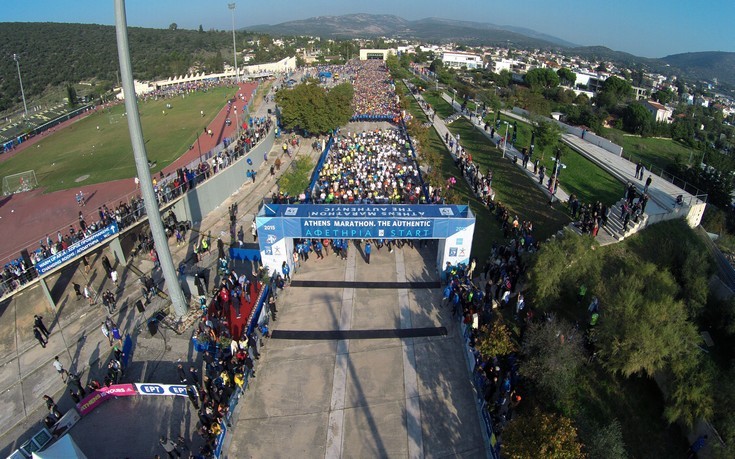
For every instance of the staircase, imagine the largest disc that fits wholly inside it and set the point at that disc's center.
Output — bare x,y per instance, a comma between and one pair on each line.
614,232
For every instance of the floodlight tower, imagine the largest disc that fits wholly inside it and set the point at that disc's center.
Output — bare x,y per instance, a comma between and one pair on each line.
231,6
141,163
22,93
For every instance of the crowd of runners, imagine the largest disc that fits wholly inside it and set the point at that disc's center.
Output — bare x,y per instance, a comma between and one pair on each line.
370,167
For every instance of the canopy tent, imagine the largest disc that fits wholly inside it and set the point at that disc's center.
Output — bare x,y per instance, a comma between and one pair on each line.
64,448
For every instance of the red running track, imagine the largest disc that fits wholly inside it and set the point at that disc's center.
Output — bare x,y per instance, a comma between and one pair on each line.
26,218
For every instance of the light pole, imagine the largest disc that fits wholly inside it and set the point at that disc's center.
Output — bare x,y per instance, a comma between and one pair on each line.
231,6
237,120
200,148
22,93
505,139
141,163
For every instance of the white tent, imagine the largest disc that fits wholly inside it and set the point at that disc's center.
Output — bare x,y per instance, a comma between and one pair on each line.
64,448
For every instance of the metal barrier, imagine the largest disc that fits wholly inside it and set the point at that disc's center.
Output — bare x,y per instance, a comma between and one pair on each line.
491,443
166,193
669,177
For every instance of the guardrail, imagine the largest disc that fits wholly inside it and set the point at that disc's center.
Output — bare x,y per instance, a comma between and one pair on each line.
166,194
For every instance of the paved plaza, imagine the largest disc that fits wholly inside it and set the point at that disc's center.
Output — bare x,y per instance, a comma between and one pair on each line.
385,397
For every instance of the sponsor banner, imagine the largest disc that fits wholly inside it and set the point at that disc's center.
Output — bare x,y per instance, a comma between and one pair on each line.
76,249
365,210
101,395
161,389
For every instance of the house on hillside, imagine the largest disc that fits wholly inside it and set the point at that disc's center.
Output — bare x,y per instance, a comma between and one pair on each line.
660,113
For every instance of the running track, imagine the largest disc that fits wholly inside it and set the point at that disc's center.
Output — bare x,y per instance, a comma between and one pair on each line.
26,218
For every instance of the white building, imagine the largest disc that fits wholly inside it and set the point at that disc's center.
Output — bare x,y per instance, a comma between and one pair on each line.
381,54
458,60
661,113
498,65
593,81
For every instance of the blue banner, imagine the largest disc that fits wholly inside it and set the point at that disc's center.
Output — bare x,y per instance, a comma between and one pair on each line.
365,210
361,222
76,249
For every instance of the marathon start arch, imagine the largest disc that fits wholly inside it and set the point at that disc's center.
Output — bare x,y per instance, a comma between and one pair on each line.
279,224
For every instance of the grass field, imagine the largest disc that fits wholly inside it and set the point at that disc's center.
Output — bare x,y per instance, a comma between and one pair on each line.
512,187
582,177
106,154
655,153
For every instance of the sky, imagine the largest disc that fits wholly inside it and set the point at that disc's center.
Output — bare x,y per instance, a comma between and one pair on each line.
650,28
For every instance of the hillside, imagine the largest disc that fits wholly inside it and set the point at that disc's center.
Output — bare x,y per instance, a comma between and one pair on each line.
53,54
705,65
431,29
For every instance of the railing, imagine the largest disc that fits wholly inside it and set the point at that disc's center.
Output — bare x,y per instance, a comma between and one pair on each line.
488,434
669,177
166,193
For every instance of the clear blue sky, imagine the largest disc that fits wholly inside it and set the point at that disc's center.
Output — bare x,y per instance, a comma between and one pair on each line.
651,28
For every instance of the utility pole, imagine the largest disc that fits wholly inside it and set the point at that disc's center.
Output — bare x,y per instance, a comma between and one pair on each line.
22,93
231,6
141,163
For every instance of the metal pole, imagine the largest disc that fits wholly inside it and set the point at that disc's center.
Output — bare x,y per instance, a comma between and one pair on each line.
200,149
141,163
505,140
22,93
231,6
237,121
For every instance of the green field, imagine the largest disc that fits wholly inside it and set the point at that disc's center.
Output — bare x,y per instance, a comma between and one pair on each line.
512,186
656,154
99,145
582,177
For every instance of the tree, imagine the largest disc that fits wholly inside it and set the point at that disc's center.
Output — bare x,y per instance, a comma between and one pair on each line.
436,65
539,78
614,91
494,339
603,441
504,78
71,95
582,99
566,76
553,354
173,26
644,326
201,29
638,120
547,135
541,435
692,391
664,96
308,106
560,263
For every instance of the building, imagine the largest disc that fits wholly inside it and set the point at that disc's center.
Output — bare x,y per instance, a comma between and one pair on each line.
641,93
457,60
591,81
661,113
381,54
498,65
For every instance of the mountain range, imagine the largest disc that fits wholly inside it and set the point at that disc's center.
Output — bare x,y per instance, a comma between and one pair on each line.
700,66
